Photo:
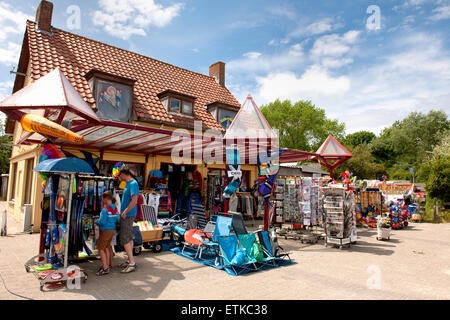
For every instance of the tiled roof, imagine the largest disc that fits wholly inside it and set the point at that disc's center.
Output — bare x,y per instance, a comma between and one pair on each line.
76,55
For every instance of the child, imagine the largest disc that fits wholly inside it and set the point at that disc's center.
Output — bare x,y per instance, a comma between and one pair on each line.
107,226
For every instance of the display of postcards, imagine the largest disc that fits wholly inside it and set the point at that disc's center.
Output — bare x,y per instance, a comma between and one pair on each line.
280,182
306,181
279,204
279,189
279,196
306,193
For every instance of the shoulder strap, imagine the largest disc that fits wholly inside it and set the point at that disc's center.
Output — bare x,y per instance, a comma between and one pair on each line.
111,210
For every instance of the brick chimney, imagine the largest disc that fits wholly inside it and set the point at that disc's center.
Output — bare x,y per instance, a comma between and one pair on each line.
217,71
44,16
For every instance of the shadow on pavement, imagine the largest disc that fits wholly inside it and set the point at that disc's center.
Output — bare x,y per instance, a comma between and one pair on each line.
150,279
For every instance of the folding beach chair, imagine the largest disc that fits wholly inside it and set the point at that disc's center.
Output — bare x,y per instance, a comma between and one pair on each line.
149,214
247,242
229,253
238,223
195,237
199,211
192,222
222,227
269,248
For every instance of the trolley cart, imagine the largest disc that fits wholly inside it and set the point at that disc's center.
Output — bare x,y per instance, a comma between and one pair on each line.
309,238
383,233
51,275
152,239
338,242
383,229
137,242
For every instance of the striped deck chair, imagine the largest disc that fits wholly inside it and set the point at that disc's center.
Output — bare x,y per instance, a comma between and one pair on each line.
149,214
199,210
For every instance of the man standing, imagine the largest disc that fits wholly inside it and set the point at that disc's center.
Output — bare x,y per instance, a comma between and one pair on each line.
128,210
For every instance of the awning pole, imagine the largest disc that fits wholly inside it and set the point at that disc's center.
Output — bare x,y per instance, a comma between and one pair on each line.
69,212
266,216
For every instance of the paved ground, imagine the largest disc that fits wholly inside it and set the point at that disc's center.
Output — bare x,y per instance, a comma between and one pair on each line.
414,264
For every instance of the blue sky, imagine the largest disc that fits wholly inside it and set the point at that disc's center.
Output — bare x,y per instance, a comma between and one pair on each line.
325,51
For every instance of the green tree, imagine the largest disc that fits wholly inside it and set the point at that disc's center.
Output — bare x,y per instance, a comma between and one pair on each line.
359,137
363,164
5,149
438,183
301,125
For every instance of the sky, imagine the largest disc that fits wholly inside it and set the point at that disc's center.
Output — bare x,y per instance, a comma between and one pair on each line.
366,63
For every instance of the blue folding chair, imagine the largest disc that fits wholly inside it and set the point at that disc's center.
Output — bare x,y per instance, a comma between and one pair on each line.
233,257
222,228
269,249
247,242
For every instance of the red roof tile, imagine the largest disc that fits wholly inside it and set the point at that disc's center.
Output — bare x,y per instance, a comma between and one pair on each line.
77,55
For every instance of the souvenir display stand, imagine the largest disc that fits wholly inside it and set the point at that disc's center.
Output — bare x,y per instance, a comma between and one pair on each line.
52,266
383,228
339,218
369,202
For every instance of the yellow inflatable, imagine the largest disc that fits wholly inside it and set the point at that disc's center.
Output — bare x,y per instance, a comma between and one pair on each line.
35,123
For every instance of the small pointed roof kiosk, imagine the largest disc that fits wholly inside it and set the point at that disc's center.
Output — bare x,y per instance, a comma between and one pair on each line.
331,154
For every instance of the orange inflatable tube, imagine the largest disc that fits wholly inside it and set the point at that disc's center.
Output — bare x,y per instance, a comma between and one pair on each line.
35,123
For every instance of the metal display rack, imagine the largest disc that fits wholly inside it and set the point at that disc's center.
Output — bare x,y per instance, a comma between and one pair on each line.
339,217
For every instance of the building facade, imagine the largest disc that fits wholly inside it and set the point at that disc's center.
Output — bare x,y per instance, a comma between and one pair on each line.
121,86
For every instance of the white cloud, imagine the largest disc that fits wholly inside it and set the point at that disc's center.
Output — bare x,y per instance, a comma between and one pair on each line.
329,50
441,13
415,4
334,44
12,27
252,55
324,25
413,76
12,22
10,54
125,18
315,82
259,63
5,89
283,12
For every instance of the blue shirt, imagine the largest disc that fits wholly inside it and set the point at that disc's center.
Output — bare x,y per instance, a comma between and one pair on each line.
107,220
131,189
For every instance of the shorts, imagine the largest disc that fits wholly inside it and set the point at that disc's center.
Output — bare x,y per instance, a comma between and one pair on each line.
104,239
126,230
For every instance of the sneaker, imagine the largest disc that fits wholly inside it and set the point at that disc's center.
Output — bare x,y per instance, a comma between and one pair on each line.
124,264
129,269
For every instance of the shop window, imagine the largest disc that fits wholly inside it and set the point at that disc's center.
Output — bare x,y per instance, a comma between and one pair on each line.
224,114
113,95
29,181
13,181
225,117
177,103
137,169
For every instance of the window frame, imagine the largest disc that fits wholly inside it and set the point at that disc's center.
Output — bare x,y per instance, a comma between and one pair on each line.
169,95
181,101
94,76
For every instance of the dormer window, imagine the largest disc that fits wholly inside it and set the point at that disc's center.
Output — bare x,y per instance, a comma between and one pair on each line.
223,113
177,103
113,95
